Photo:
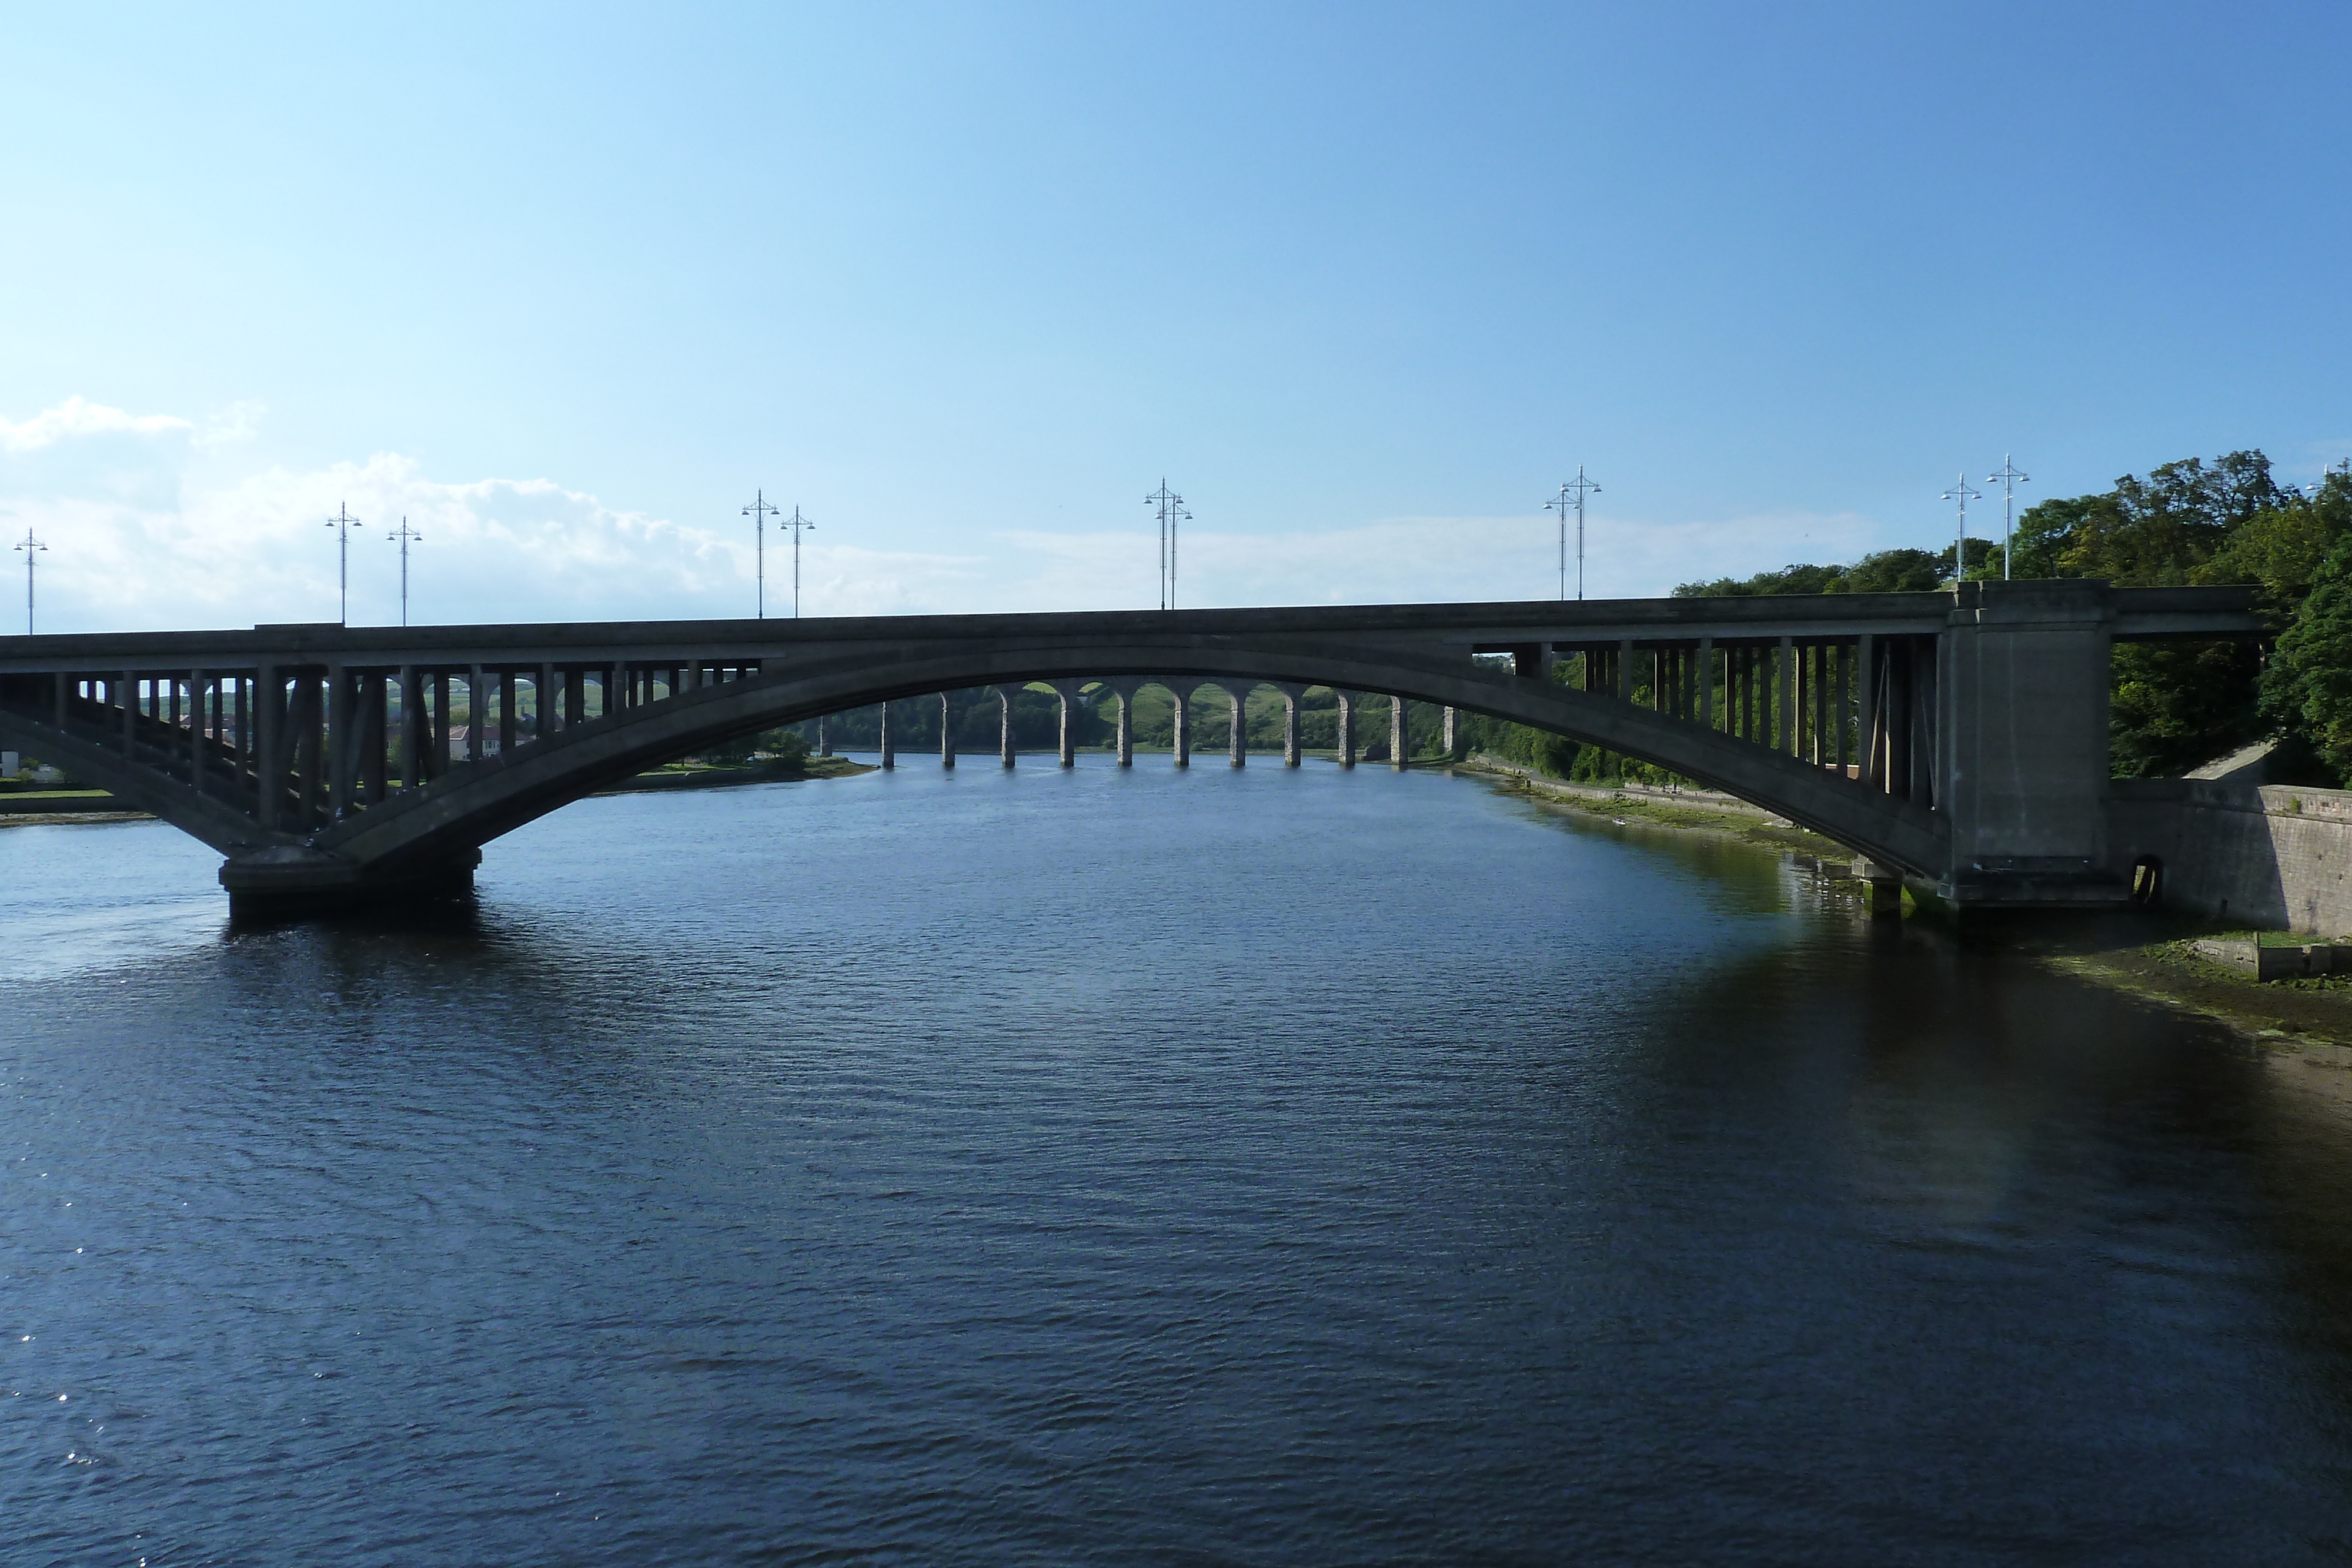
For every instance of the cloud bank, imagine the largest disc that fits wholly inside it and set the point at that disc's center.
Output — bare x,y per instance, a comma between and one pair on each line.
151,528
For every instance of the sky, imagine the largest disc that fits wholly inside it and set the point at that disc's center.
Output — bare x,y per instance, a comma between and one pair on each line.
567,287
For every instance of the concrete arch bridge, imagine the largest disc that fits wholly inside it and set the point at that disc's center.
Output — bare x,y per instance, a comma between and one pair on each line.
1961,739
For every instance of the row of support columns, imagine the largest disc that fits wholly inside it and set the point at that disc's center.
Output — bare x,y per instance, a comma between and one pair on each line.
1862,706
1293,753
303,745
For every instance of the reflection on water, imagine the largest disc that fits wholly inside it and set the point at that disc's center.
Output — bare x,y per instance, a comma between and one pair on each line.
1146,1167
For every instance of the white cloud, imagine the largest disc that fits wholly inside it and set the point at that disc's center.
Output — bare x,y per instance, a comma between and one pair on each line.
77,416
1422,561
156,536
237,422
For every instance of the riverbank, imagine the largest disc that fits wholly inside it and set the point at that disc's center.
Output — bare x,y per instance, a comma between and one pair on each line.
68,807
1690,810
2147,955
19,808
705,776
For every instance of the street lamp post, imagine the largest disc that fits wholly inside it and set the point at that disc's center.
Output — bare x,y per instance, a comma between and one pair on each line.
796,523
1560,503
341,522
1961,493
31,547
759,511
406,535
2009,480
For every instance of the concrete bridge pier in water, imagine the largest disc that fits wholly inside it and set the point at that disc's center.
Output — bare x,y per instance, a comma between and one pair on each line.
1125,691
1004,731
1957,740
1290,748
1071,694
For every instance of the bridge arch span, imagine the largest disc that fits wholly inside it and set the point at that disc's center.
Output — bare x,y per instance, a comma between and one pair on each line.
474,803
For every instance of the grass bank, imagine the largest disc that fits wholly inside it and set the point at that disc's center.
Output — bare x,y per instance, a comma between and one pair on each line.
710,776
1694,811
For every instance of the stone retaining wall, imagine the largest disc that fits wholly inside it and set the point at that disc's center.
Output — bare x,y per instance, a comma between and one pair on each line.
2272,856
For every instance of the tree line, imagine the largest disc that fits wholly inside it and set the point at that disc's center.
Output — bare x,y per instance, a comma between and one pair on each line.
2176,705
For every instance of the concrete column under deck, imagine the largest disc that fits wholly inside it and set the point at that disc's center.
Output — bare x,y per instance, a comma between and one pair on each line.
1004,729
947,735
1398,746
1183,729
1238,692
1347,736
1067,692
1125,722
1290,747
823,736
1449,741
889,751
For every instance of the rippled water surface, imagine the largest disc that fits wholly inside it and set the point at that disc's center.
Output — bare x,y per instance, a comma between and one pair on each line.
1149,1168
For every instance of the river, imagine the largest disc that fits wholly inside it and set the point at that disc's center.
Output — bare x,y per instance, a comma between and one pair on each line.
1253,1166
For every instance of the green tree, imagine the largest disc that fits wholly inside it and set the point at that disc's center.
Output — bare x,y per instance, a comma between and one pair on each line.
2307,689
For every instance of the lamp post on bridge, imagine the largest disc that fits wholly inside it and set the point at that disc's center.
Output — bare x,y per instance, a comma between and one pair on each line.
1562,504
2010,479
31,547
342,522
1961,493
796,523
1171,512
760,511
406,536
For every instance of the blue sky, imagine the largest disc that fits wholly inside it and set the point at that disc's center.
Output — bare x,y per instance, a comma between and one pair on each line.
1365,282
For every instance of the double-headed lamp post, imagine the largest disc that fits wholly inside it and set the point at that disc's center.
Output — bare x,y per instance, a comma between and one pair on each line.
31,547
1572,496
1961,493
406,536
342,521
760,511
2010,478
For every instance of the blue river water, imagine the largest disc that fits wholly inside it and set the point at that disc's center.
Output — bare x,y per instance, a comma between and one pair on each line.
1151,1168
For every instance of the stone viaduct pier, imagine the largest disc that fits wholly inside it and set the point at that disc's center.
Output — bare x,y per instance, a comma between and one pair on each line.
1957,739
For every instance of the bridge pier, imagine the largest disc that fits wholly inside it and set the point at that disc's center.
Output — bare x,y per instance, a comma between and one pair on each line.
1886,884
1346,738
1004,728
1398,744
1241,725
889,749
1184,730
823,736
1067,691
1125,691
947,735
285,882
1451,747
